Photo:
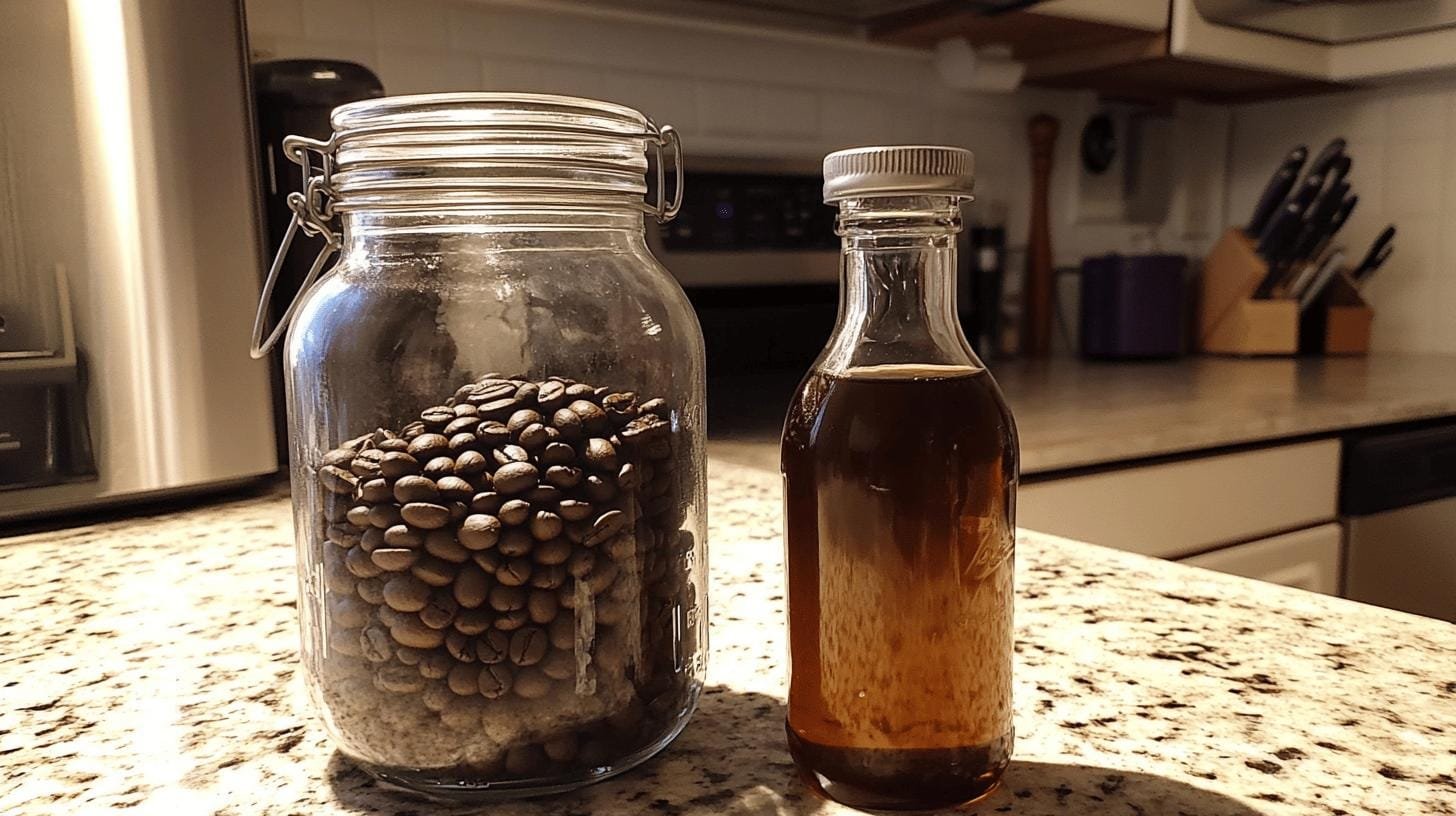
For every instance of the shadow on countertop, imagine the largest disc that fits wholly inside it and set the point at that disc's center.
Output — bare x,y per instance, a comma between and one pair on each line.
732,759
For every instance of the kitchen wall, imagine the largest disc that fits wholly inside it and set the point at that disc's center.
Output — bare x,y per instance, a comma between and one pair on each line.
735,90
1403,142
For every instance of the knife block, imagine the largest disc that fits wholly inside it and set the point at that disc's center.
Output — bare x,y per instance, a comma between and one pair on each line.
1339,324
1230,321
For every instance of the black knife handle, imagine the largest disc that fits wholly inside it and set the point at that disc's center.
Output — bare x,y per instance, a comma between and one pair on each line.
1279,187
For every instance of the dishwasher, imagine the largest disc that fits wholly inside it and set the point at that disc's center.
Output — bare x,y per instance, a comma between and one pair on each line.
1398,505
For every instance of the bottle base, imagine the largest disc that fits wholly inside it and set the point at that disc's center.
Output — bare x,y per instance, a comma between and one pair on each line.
915,779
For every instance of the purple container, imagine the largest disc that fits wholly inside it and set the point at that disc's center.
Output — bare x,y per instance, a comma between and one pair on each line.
1134,306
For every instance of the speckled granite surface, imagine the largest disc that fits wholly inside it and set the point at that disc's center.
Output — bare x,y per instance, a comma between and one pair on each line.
147,665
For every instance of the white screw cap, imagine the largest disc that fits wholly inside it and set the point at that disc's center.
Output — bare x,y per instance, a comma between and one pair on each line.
890,170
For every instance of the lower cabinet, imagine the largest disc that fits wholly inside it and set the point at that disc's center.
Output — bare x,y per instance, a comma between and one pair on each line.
1307,559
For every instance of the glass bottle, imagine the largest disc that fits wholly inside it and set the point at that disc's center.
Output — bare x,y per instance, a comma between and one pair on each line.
496,420
900,474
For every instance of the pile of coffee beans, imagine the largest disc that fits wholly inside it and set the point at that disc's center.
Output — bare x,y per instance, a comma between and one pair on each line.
513,567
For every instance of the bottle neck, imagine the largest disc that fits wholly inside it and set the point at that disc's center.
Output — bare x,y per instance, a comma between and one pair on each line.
897,303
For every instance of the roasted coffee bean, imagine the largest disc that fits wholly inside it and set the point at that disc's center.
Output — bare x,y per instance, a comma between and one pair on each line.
567,423
433,571
563,476
480,531
577,389
454,488
490,391
394,559
552,552
557,453
337,480
526,392
551,395
654,406
411,489
375,490
473,621
528,646
349,611
371,590
577,531
515,542
600,454
459,425
574,509
425,515
345,642
486,502
495,681
434,665
462,442
406,593
437,417
601,576
543,495
548,576
515,512
470,463
440,611
493,433
336,507
408,656
531,684
492,647
606,525
471,586
620,406
359,563
488,560
339,457
464,409
375,644
403,536
415,634
499,409
344,535
514,573
581,563
541,606
545,525
460,646
627,477
620,547
463,679
508,454
521,419
398,680
559,664
427,446
533,437
438,467
366,464
442,544
511,621
562,632
600,487
384,516
358,516
507,598
395,445
593,418
372,539
515,477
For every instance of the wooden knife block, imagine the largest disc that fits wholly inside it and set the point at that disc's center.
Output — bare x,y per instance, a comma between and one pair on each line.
1230,321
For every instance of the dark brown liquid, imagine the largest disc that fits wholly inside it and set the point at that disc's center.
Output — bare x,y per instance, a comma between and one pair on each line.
899,497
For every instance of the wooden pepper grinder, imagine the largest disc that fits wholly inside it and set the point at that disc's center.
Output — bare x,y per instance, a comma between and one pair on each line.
1036,311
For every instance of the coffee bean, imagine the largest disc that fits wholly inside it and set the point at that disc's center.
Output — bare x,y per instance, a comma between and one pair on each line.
470,463
601,577
442,545
493,433
480,531
408,656
577,389
599,454
508,454
336,507
514,573
557,453
398,680
344,535
439,467
359,563
486,502
372,539
454,488
515,477
460,646
464,409
366,464
600,488
515,512
531,684
472,621
395,445
337,480
435,665
574,509
545,525
627,477
375,644
581,563
559,664
507,598
463,679
488,560
495,681
567,422
511,621
384,516
471,586
358,516
528,646
541,606
620,547
436,417
492,647
459,425
593,418
427,446
414,633
654,406
339,457
348,611
550,395
433,571
402,536
543,495
521,419
394,559
425,515
563,476
515,542
577,531
390,617
534,437
552,552
491,391
371,590
411,489
526,392
548,576
345,642
374,490
440,611
606,525
406,593
464,441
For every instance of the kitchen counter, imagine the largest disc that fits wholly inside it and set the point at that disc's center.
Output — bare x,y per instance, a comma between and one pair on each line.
149,664
1072,413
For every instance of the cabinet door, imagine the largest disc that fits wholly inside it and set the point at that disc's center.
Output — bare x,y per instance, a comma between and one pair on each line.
1307,559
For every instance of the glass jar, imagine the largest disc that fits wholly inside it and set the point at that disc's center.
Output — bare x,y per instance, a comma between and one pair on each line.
900,473
495,405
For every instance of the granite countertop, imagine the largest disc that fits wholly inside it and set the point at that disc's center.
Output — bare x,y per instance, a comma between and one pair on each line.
148,664
1073,413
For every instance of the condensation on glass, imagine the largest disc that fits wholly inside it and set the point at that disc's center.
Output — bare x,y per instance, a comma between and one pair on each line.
496,418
